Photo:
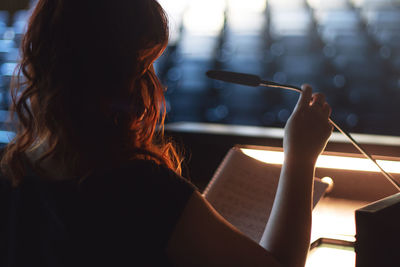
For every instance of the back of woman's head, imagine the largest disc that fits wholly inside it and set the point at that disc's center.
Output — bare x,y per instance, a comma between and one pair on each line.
90,95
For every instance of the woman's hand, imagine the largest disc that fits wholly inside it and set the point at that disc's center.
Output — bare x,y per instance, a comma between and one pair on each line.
308,128
287,235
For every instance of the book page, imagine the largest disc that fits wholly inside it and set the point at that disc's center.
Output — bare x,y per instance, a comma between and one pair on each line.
243,191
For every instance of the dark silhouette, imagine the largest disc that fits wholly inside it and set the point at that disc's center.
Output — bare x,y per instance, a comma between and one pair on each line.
89,88
90,180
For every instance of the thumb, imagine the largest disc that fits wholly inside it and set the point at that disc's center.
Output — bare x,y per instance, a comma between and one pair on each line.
305,97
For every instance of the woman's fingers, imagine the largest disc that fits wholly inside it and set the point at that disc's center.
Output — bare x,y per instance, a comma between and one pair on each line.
318,99
308,128
326,109
305,97
318,102
315,101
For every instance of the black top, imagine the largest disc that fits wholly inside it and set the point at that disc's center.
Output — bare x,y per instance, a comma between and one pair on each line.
122,217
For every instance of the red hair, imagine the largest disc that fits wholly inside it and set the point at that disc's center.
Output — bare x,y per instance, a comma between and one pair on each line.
88,90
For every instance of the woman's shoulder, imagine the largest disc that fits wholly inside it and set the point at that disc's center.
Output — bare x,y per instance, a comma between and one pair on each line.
5,186
139,170
142,192
142,175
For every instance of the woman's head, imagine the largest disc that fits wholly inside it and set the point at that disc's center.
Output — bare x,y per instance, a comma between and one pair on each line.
90,92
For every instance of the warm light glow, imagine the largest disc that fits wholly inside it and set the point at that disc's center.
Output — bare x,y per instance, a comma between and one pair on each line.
327,180
204,17
334,218
331,255
272,157
328,161
330,183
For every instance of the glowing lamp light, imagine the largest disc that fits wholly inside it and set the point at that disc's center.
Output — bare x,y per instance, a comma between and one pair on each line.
250,6
174,10
330,183
328,161
175,6
246,17
204,17
331,4
330,256
286,4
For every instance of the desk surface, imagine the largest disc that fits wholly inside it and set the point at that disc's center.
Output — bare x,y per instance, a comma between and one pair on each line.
331,255
334,218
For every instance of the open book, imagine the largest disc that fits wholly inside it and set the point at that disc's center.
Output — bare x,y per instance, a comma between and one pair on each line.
243,189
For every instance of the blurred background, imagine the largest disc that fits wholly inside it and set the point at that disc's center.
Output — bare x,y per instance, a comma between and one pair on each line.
347,49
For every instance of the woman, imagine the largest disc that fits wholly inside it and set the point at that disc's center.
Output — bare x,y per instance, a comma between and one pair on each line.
88,180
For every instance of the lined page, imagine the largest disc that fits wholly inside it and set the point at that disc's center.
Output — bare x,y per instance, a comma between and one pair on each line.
243,191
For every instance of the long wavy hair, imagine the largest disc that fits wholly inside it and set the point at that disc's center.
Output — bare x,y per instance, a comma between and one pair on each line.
87,94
